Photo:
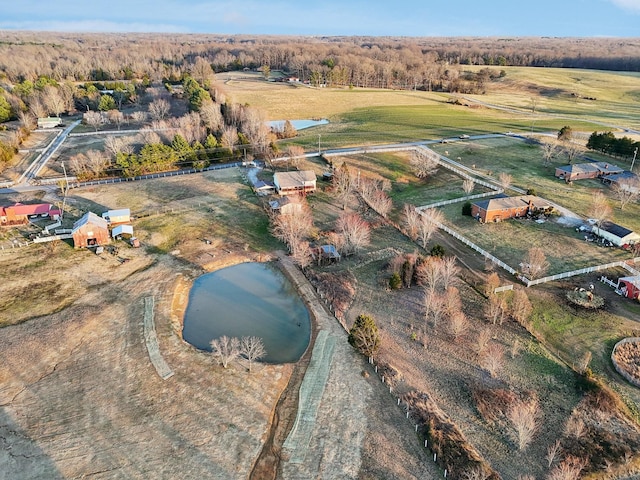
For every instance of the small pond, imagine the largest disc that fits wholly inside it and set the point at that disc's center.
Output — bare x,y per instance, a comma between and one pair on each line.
298,124
249,299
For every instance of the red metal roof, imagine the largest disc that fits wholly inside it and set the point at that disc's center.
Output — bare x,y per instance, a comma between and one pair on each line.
33,209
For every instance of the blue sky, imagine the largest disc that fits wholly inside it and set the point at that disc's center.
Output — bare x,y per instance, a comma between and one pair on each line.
561,18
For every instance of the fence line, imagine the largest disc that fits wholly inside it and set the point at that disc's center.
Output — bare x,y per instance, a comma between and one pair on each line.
580,271
461,199
481,251
150,176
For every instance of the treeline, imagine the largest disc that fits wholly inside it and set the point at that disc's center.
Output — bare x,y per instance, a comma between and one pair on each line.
608,143
385,62
213,130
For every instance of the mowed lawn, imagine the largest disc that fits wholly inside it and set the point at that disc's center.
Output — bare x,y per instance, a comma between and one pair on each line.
565,248
524,162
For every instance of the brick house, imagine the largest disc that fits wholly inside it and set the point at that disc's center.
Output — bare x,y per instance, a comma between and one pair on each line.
504,208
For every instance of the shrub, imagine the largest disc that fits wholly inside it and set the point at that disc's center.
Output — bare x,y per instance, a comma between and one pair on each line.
437,251
395,282
466,209
531,191
364,335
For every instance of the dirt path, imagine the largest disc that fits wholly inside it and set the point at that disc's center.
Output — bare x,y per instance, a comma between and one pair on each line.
358,431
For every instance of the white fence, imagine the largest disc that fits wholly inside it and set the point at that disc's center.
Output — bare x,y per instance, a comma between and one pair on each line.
461,199
581,271
481,251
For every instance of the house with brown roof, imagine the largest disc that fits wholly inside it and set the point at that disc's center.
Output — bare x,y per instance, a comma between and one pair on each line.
504,208
583,171
20,213
90,231
295,182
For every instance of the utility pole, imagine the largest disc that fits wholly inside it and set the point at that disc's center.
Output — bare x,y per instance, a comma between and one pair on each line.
64,191
635,153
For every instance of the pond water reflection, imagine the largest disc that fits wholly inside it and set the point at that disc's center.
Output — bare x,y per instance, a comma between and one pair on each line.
249,299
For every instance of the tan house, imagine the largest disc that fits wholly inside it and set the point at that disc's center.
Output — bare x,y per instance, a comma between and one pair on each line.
295,182
90,231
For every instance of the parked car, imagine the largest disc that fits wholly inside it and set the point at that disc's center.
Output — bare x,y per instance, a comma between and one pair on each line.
464,136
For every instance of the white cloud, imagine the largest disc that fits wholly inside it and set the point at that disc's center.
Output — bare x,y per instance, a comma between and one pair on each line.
91,26
631,5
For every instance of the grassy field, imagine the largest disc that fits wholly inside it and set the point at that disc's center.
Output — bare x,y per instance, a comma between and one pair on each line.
594,95
369,116
524,162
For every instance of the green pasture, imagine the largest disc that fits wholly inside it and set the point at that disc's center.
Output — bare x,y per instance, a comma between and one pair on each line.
524,162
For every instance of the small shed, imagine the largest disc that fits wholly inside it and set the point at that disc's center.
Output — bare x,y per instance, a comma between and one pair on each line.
90,231
264,188
117,216
285,205
616,234
122,230
629,287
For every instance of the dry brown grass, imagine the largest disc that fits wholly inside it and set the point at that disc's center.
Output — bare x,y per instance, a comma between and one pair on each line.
627,356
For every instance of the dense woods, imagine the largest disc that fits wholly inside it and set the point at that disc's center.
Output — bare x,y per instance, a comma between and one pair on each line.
386,62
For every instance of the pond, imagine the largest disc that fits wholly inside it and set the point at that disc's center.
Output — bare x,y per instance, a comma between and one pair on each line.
250,299
297,124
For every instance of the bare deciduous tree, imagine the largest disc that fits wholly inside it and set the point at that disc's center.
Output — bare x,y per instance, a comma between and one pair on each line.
477,473
433,309
53,100
380,202
626,191
571,150
505,180
524,420
229,138
355,232
450,272
429,274
343,184
468,185
424,163
492,359
568,469
600,209
535,263
225,349
520,307
495,309
575,427
458,324
295,154
292,228
252,348
549,150
452,303
148,137
116,117
553,451
159,109
411,219
430,218
493,282
93,119
483,339
139,117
